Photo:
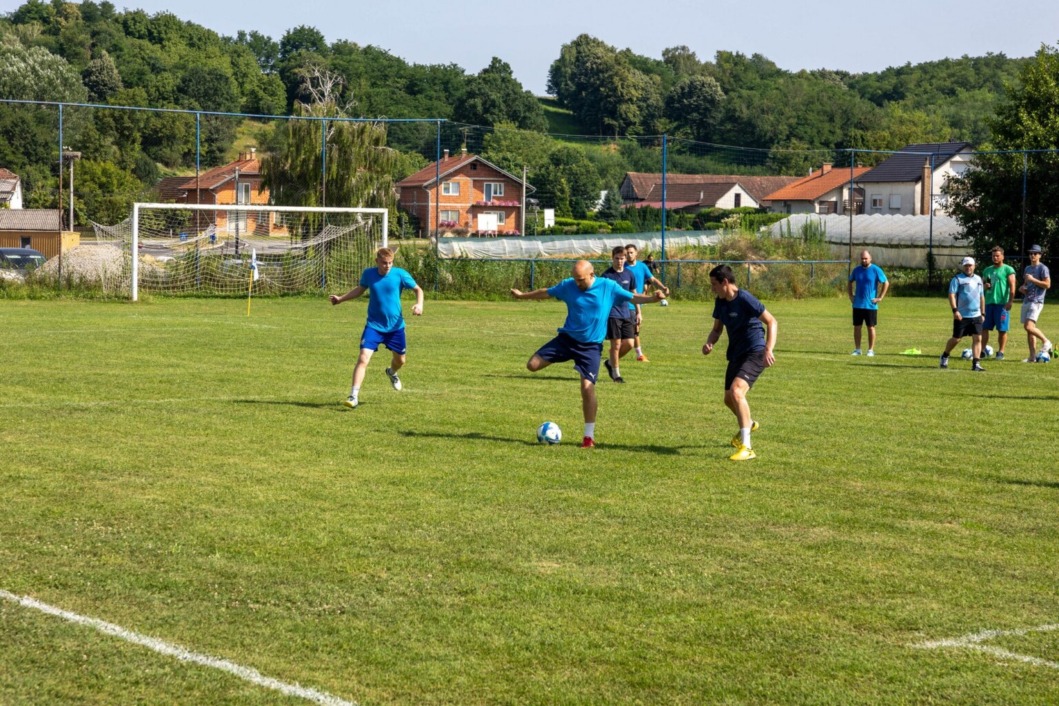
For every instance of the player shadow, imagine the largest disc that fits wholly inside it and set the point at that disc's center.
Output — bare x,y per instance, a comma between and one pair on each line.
1052,485
336,404
996,396
529,376
479,436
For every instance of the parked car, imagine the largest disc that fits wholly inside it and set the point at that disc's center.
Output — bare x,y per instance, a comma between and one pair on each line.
16,262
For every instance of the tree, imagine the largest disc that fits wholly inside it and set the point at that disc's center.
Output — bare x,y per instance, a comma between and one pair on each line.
101,78
988,200
494,96
37,74
694,104
359,169
103,192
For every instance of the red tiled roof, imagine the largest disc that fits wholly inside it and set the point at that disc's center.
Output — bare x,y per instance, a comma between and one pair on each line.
815,185
703,194
758,187
447,166
7,174
171,188
218,176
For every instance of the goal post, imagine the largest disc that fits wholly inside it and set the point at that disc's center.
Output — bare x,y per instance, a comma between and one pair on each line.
210,249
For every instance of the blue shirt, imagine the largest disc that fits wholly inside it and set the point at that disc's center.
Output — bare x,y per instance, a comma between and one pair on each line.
384,307
741,319
969,292
1034,293
587,311
627,281
867,280
641,273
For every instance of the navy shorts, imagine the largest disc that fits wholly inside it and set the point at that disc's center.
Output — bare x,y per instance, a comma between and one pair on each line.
865,316
586,356
620,328
394,340
997,317
748,367
967,327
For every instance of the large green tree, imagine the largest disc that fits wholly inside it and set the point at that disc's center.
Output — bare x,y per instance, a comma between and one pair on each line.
494,96
990,200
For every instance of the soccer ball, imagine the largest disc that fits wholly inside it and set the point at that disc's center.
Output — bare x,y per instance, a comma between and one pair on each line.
549,433
987,352
1043,357
967,354
664,302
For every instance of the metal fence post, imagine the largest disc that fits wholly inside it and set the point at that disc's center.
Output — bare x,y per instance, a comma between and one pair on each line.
533,273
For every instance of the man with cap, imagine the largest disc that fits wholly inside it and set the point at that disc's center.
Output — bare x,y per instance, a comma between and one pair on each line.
967,299
1036,279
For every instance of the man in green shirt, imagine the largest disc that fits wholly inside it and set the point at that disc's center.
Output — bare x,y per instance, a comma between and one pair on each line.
999,294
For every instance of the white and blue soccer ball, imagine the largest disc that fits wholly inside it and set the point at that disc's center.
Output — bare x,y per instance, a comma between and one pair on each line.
1043,357
664,302
987,352
967,354
549,433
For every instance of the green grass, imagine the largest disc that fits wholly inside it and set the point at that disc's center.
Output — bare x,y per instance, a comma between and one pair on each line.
186,472
560,120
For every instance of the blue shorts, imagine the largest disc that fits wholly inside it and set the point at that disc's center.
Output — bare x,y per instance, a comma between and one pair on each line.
996,317
586,356
394,340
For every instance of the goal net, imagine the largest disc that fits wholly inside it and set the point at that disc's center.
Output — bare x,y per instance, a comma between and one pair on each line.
216,249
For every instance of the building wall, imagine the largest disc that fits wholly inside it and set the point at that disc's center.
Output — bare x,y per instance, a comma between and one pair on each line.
47,244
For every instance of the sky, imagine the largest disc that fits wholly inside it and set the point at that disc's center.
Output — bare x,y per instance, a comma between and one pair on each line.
811,34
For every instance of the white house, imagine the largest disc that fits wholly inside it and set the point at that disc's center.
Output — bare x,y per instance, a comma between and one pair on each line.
10,189
910,182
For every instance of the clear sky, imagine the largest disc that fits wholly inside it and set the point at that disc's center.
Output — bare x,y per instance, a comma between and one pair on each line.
859,36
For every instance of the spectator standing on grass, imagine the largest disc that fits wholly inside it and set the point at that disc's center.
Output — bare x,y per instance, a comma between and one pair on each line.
999,279
385,324
750,349
589,300
871,287
621,324
643,277
967,299
1036,280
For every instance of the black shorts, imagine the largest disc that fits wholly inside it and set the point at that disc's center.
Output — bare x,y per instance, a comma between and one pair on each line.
967,327
621,328
747,367
586,356
866,316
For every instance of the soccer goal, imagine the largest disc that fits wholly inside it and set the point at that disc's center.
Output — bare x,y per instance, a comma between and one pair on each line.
217,249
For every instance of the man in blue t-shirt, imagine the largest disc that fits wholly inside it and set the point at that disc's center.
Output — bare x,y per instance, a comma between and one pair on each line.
621,324
385,324
967,299
868,278
1036,280
750,349
644,276
589,300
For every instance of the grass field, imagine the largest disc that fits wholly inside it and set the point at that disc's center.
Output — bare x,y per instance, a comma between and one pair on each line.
187,473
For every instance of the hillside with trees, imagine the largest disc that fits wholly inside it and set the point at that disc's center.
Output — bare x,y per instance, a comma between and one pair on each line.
620,103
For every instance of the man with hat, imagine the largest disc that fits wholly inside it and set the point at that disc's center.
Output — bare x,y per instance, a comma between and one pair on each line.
967,298
1036,279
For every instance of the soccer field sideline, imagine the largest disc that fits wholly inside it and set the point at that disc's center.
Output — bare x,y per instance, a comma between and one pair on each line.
456,450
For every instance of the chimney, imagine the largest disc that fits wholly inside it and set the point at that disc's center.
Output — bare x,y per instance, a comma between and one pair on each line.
826,168
446,153
925,197
463,150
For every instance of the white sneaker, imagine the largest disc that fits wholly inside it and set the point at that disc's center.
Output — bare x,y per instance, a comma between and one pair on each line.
871,353
351,402
856,351
394,380
1047,347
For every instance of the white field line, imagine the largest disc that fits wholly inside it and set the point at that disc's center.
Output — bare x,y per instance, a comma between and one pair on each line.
974,642
251,675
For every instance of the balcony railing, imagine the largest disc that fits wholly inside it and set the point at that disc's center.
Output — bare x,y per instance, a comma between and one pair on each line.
498,202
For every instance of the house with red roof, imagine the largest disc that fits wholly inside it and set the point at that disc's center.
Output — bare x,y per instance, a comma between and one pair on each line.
464,192
692,192
235,183
824,191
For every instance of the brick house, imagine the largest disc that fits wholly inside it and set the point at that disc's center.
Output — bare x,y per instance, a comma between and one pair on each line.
235,183
466,192
824,191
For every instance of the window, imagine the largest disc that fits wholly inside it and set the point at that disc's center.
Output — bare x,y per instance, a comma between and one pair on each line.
450,216
26,241
501,217
738,200
450,188
895,200
876,203
244,194
493,189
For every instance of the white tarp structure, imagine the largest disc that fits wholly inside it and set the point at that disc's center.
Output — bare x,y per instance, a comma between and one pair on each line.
580,246
894,241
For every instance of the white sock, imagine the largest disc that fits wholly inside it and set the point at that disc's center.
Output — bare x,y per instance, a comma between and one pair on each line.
354,391
617,372
639,350
590,430
744,434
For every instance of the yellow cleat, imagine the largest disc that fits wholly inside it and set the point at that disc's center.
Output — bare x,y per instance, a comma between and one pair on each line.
737,440
745,453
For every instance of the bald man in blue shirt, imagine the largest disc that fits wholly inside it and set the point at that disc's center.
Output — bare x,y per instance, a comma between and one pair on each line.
588,300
